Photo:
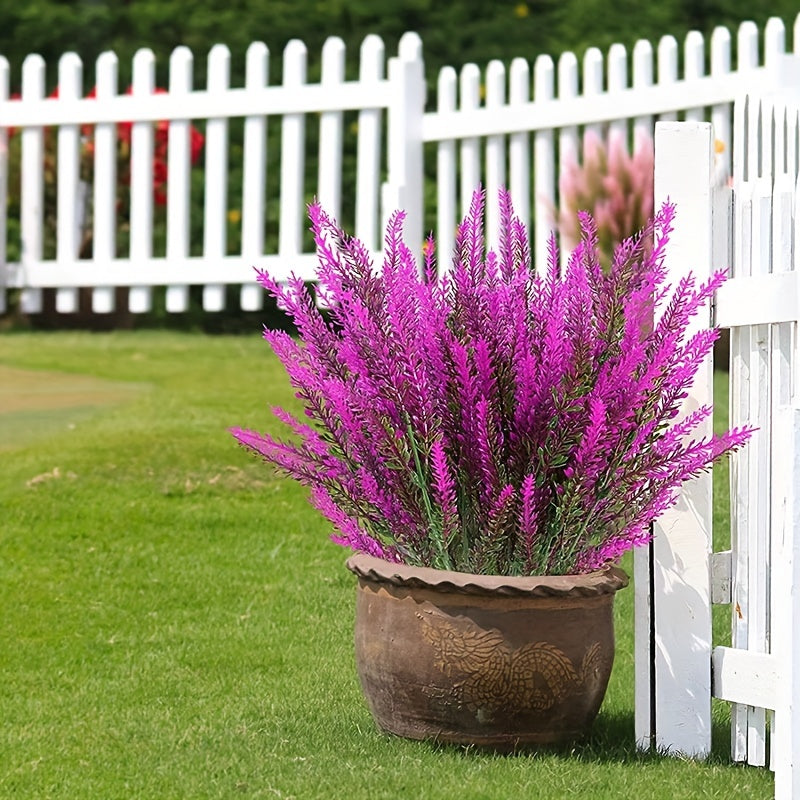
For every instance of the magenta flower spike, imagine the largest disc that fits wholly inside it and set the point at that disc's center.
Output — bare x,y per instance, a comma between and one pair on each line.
493,419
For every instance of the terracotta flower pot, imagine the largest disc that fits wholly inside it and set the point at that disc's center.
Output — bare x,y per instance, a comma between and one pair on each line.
485,660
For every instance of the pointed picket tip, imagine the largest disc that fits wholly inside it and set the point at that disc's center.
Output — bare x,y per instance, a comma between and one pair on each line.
144,57
543,77
747,45
333,46
219,68
181,58
410,46
568,74
219,57
774,40
667,44
181,63
106,72
495,71
295,56
257,50
295,49
372,46
519,83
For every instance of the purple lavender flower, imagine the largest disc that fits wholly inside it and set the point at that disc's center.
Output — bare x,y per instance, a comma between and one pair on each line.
493,418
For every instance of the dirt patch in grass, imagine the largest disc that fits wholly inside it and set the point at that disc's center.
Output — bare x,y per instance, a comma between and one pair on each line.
34,403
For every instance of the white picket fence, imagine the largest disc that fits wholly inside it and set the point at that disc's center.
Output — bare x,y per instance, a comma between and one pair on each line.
495,127
678,671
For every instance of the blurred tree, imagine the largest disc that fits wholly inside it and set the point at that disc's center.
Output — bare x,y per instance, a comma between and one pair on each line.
452,33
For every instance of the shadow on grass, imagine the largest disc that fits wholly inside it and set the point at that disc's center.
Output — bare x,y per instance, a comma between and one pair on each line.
611,740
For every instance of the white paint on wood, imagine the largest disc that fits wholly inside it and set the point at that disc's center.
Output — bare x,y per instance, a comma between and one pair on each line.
495,153
104,206
446,172
368,160
721,576
254,178
32,187
544,172
785,740
179,176
142,141
682,536
69,213
293,173
215,201
470,148
747,677
643,648
519,155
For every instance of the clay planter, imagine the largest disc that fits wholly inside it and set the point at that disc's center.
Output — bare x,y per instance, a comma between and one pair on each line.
484,660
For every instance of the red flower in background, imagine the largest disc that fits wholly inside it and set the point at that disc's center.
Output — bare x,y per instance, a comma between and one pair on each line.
124,134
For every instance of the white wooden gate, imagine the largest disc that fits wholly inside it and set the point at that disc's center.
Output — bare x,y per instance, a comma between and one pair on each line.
752,229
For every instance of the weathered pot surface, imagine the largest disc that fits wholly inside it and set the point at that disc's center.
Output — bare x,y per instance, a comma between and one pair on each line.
494,661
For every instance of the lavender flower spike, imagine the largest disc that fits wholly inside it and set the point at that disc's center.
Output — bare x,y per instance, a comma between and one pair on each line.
495,417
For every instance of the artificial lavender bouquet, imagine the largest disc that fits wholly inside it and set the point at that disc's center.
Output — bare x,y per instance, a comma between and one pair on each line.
492,419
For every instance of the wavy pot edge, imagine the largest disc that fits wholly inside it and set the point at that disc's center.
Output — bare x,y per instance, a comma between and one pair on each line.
607,580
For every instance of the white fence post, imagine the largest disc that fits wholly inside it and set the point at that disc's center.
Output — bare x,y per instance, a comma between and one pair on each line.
785,741
404,189
679,693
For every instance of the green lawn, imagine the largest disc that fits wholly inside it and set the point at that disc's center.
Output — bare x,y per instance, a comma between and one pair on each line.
175,624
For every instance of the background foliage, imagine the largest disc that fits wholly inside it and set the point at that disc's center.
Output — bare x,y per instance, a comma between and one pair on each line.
453,33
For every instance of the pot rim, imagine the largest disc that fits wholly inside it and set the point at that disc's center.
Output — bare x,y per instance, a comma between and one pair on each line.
607,580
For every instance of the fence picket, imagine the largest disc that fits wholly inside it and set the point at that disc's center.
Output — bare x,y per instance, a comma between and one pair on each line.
215,228
32,186
178,176
774,41
495,152
446,172
642,78
667,68
693,68
368,154
140,298
740,411
329,184
470,153
757,540
618,82
69,212
254,174
104,205
544,172
747,46
592,82
519,144
721,113
293,136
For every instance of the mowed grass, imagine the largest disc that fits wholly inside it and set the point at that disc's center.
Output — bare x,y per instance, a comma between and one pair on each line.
174,622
